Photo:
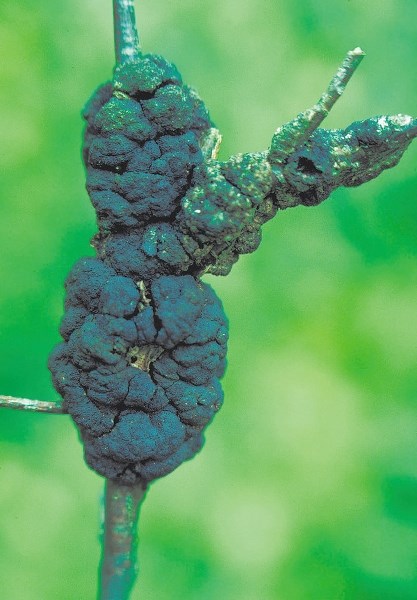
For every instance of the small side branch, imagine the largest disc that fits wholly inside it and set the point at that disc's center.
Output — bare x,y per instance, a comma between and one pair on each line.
126,38
32,405
118,569
292,135
336,87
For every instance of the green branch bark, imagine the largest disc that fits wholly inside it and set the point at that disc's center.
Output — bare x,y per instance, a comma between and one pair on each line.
126,38
119,569
292,135
32,405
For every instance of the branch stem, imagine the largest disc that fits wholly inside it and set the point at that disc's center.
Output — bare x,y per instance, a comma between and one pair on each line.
336,87
126,38
118,568
32,405
292,135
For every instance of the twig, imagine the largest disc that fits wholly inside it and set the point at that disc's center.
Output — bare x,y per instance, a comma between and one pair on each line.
290,136
336,87
118,566
32,405
118,569
126,38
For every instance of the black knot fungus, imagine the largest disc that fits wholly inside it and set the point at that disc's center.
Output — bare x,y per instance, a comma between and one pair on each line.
127,344
144,338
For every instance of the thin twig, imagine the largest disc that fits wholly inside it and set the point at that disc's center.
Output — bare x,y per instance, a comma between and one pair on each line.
118,569
290,136
336,87
32,405
126,38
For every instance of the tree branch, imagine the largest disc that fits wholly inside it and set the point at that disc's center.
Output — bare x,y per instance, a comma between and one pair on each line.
292,135
337,86
32,405
118,568
126,38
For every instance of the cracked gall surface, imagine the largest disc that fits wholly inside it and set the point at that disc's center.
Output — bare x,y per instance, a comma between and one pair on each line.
144,338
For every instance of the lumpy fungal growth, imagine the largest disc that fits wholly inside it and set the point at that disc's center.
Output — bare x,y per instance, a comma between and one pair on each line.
144,338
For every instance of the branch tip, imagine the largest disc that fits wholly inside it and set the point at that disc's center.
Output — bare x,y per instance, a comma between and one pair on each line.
292,135
357,52
32,405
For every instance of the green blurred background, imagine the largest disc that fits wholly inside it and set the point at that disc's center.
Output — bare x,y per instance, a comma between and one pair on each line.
307,485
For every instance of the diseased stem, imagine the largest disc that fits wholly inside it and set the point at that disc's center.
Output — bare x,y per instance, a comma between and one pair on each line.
32,405
290,136
118,568
126,38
